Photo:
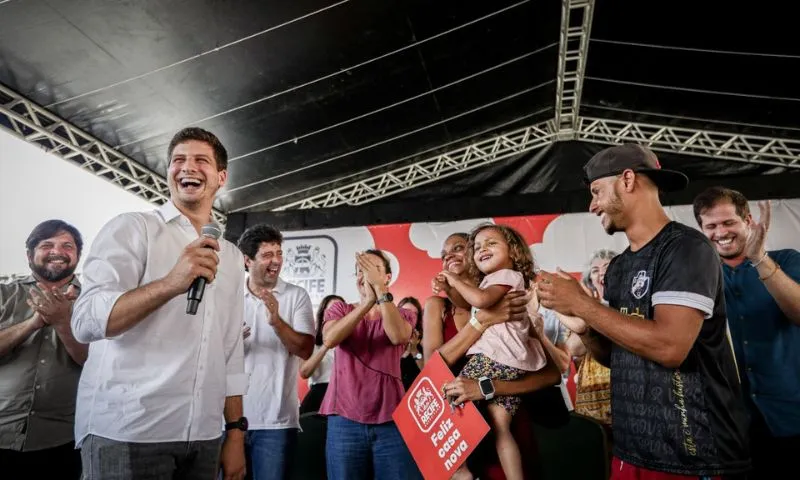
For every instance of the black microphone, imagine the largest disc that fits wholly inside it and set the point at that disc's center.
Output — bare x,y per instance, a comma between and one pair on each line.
195,293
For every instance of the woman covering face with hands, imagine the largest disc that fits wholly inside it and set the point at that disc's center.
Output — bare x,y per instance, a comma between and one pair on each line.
365,388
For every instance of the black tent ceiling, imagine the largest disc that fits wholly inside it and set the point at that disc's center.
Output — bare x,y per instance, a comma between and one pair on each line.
309,95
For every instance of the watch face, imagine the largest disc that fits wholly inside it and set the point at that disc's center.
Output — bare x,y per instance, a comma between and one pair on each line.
243,423
486,386
389,297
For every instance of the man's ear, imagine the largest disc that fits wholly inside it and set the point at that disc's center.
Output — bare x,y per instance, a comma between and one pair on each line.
223,177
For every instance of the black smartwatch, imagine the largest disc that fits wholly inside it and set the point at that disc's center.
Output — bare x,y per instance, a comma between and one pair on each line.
240,424
487,387
386,297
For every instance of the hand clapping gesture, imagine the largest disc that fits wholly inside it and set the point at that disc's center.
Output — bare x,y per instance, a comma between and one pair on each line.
51,305
272,305
757,236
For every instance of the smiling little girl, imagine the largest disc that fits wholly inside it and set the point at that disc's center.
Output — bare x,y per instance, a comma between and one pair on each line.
500,261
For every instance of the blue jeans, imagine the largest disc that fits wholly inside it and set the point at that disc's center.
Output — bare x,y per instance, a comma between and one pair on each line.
270,453
357,451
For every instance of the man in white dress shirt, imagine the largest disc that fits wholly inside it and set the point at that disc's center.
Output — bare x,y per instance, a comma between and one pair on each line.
153,390
281,324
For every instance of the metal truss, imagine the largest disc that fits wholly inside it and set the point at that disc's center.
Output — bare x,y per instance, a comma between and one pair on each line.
478,154
690,141
36,125
576,26
32,123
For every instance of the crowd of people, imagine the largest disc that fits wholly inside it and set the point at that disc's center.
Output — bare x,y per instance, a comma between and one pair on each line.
686,343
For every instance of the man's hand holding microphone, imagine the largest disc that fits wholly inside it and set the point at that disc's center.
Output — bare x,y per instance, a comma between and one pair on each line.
196,267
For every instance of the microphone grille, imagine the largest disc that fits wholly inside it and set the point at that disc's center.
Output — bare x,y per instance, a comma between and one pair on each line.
211,230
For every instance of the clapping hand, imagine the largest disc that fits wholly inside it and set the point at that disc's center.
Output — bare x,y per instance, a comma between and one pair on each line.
272,305
371,270
51,305
757,236
561,292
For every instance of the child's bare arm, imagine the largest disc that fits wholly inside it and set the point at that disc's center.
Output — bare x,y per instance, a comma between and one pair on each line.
478,298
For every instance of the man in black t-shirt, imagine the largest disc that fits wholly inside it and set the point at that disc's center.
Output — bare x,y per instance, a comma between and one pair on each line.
676,399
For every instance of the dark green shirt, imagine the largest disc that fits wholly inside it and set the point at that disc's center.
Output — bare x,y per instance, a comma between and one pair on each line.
38,379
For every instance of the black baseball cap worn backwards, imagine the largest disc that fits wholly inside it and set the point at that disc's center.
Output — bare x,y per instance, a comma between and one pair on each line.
615,160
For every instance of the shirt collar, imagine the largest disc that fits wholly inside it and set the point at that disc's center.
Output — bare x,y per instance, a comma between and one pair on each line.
169,212
279,287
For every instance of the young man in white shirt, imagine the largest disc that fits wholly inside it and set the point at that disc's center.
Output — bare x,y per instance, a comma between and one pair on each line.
281,328
157,381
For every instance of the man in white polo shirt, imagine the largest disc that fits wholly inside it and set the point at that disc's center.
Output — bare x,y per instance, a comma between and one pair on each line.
279,331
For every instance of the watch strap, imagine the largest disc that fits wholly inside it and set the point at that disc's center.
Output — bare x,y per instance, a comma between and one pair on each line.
240,424
386,297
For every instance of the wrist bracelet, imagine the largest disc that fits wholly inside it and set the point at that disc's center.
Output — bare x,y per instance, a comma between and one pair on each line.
476,324
766,277
759,262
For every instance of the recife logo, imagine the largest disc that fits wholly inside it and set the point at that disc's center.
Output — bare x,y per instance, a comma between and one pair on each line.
425,404
310,262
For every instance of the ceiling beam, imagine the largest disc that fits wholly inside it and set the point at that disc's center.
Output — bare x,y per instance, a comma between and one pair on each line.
35,125
431,169
691,141
576,28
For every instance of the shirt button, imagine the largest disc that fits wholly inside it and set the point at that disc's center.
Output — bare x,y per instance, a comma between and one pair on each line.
745,342
45,337
38,387
42,361
741,318
33,412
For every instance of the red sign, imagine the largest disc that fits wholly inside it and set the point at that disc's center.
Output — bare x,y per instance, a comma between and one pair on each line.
439,438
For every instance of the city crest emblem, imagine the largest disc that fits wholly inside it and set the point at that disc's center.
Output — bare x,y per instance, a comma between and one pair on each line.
310,262
640,284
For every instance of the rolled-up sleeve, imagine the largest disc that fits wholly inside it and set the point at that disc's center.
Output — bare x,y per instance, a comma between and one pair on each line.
114,265
236,379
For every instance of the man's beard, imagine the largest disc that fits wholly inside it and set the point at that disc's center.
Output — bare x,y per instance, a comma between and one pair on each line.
614,208
44,273
729,256
612,228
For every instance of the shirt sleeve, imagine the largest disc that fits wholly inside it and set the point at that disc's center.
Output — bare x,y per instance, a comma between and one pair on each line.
114,265
7,304
507,277
789,261
237,380
303,321
688,274
337,312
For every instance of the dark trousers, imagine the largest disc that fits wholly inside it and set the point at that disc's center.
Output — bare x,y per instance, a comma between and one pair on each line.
62,462
772,456
106,459
313,399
